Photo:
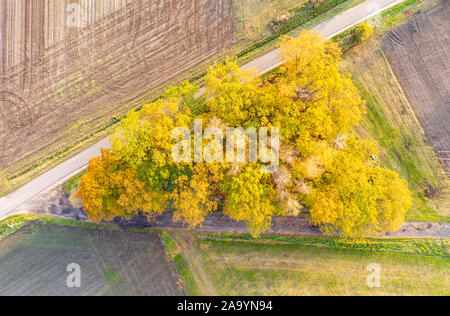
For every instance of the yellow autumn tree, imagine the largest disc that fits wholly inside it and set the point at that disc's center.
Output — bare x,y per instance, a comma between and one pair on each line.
357,198
198,195
146,134
325,101
232,92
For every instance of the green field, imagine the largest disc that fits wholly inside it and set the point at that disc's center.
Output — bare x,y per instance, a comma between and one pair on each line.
222,265
34,260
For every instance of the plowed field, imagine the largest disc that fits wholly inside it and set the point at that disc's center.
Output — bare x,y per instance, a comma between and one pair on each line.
418,52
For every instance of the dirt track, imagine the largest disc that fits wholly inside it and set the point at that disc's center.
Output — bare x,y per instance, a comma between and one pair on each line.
53,74
419,55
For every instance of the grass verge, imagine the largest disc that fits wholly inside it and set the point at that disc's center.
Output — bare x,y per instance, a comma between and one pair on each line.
181,263
14,223
72,184
425,247
304,16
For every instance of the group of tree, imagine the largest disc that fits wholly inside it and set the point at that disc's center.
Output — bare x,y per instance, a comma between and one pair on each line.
326,172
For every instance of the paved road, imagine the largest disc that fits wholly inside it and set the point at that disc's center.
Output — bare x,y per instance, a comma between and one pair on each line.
264,64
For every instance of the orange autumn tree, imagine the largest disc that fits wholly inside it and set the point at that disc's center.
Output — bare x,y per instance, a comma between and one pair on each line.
325,171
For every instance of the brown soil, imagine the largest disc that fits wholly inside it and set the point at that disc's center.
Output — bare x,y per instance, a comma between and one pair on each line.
59,83
418,52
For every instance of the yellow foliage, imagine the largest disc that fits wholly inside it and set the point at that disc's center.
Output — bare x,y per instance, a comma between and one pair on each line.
358,199
327,102
147,134
111,189
234,91
363,31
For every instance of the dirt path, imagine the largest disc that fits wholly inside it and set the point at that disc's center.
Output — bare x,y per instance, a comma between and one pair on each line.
220,223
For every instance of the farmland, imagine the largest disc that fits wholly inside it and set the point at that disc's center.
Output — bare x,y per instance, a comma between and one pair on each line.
34,256
239,265
418,54
34,260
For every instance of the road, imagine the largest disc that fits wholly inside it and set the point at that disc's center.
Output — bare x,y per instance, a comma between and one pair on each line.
59,174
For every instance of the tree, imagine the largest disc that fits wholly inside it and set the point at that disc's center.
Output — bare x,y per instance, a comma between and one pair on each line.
358,198
363,31
250,198
232,92
196,196
111,189
324,99
325,170
146,134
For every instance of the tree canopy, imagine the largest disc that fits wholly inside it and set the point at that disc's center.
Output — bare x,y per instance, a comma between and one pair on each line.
325,171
